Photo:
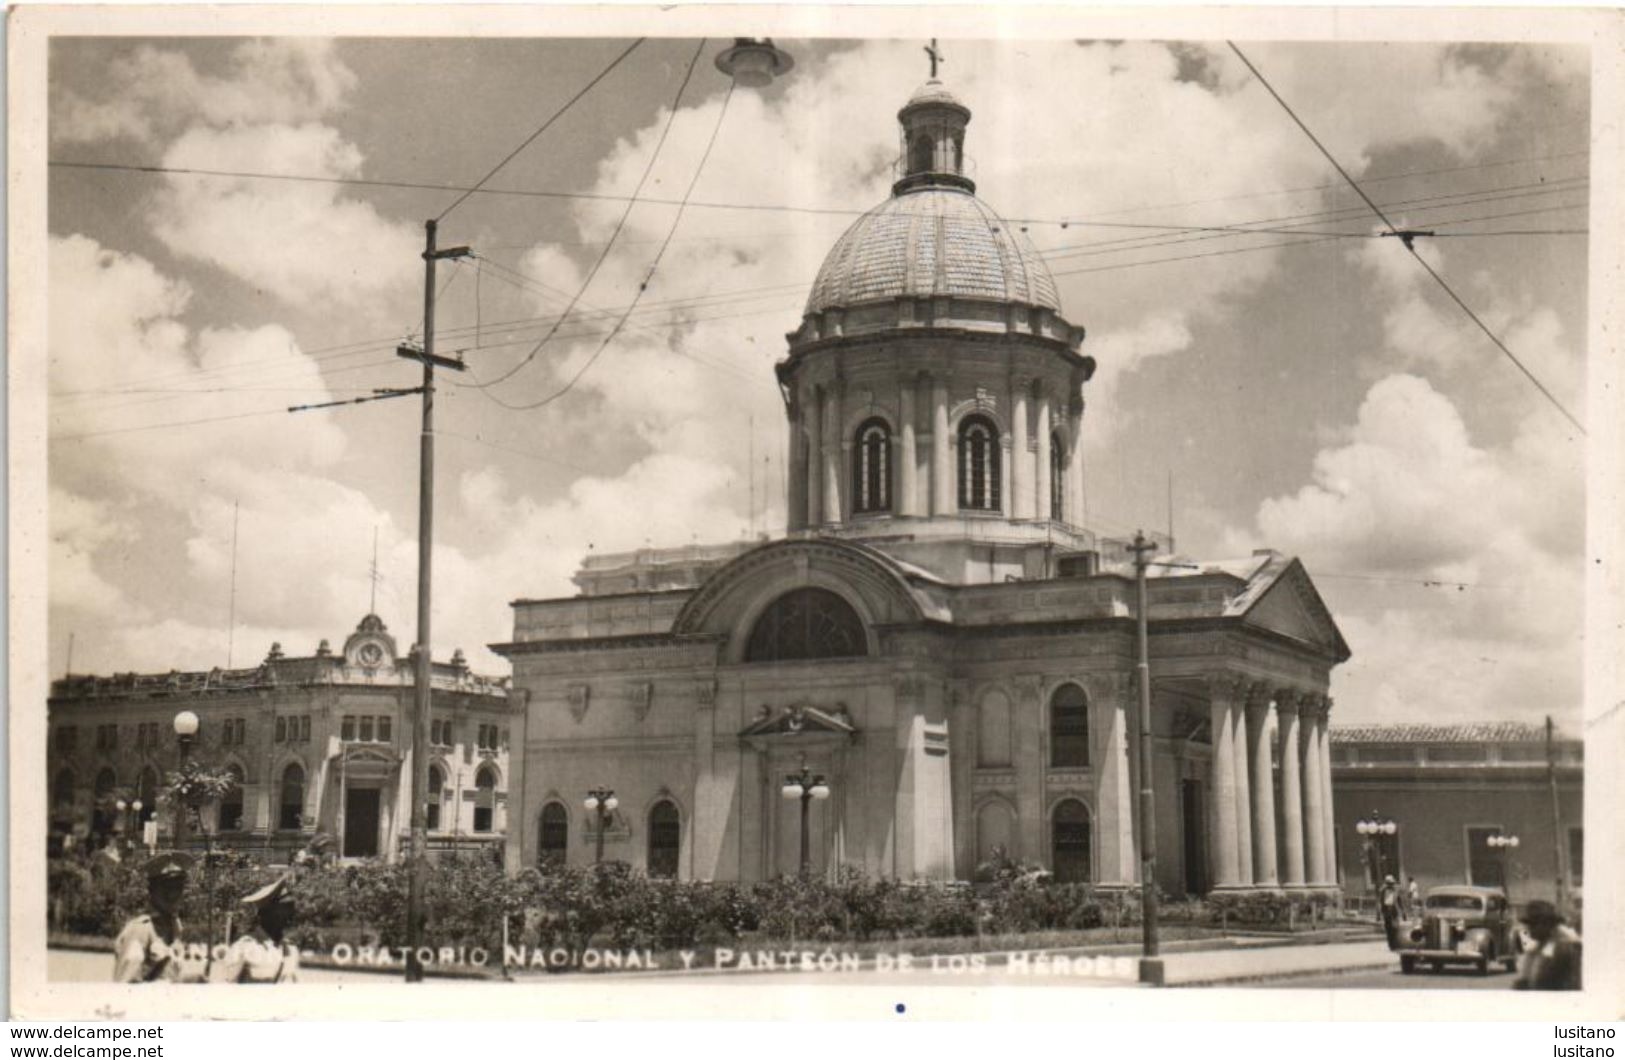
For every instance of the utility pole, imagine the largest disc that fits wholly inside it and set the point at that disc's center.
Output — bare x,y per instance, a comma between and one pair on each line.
421,664
1142,549
1557,816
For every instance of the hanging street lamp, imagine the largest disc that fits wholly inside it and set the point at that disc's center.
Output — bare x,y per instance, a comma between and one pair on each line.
601,801
806,786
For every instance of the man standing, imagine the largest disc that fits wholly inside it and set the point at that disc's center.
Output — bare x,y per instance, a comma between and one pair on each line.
1413,898
1389,899
148,948
1553,963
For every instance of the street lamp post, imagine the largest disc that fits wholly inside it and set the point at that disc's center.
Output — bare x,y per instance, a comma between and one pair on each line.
601,801
129,820
1501,844
185,731
1370,829
806,786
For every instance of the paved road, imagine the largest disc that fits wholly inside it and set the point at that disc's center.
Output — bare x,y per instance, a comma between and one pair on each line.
1394,979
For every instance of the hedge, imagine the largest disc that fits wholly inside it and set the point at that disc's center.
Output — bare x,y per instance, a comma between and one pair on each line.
468,899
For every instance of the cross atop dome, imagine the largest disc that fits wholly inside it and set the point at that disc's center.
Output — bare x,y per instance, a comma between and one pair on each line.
936,57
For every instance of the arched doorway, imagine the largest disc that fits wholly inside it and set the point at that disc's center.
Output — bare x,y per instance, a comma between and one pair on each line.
554,841
103,813
437,792
1070,842
665,839
231,803
291,807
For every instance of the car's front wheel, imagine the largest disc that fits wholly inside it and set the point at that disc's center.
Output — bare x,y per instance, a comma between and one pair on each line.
1407,965
1483,966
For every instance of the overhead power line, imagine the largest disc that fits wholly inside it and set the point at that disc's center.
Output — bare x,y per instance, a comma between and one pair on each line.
648,276
542,128
1409,243
620,224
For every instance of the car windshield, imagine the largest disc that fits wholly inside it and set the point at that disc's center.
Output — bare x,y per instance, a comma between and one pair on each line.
1465,902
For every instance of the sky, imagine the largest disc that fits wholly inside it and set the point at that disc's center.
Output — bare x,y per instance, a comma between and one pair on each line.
1318,394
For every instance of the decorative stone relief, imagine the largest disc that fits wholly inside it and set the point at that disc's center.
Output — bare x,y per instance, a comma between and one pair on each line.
579,696
642,698
705,693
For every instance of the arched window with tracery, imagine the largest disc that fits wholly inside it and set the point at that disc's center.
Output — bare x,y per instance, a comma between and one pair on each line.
231,803
1070,842
291,806
871,468
1057,478
665,839
485,799
979,465
555,834
1068,728
807,623
437,794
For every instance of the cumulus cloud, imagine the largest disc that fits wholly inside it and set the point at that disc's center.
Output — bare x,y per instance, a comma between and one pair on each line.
1445,560
154,92
304,243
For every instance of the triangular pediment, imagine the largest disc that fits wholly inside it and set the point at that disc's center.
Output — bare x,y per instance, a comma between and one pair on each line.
801,720
1292,608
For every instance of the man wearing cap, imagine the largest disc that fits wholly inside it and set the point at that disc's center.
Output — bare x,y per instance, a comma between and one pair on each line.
148,949
1553,962
1390,910
261,956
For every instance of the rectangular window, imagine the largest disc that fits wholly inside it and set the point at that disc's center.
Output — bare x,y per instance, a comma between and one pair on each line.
242,732
347,728
304,728
366,728
384,734
67,738
281,729
1577,850
437,733
504,740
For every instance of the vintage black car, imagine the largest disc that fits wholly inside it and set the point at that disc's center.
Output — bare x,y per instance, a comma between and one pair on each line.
1464,925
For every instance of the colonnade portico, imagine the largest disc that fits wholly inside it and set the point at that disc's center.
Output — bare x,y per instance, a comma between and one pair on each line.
1249,721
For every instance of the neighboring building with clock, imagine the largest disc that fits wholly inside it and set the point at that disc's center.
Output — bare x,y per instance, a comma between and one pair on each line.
940,642
317,745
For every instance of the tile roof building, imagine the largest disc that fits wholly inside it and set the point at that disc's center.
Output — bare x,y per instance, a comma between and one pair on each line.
1450,788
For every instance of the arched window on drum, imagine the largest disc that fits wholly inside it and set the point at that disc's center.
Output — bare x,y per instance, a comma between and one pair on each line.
980,465
871,468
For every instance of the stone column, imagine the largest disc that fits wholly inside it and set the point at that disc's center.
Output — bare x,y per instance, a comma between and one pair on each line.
1109,718
796,502
834,447
1286,703
1027,725
1021,481
813,414
943,498
1041,460
1223,852
1329,829
1265,873
907,501
1314,814
1244,789
1006,451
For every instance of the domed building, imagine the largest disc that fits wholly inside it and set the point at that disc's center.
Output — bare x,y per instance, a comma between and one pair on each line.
937,663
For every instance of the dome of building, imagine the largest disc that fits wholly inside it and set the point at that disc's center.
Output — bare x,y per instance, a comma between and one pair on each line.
932,241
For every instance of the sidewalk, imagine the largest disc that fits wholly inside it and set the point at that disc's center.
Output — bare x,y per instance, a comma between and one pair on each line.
1217,967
